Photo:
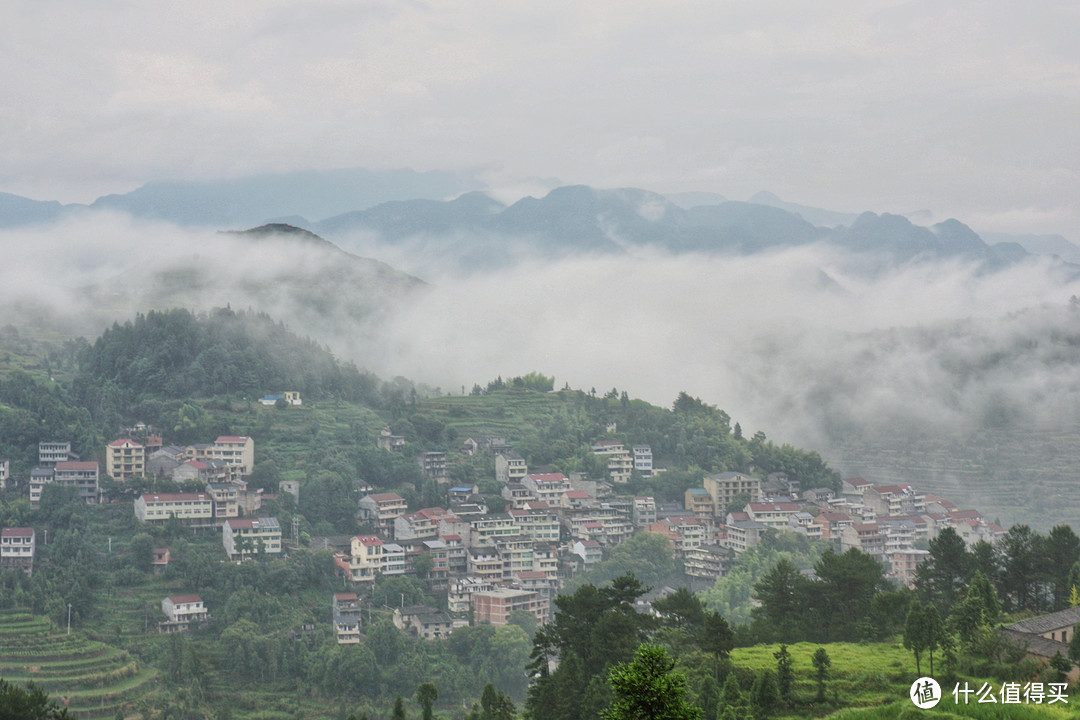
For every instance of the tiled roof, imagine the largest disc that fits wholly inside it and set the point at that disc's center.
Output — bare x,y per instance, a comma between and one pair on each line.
1046,623
547,477
75,465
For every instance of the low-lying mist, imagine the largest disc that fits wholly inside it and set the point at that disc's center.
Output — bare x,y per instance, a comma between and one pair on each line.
798,343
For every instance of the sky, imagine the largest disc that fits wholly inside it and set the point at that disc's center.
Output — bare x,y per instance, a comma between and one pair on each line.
966,109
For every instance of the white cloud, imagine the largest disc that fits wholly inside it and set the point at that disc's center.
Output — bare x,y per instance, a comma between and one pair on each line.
967,109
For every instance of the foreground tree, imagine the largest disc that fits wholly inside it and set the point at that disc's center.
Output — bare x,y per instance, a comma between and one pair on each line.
29,703
426,695
648,689
821,668
785,676
915,633
593,629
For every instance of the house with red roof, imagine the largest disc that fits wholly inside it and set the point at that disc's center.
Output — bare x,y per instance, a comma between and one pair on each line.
181,611
366,558
548,487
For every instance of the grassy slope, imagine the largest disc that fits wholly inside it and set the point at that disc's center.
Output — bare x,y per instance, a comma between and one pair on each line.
875,679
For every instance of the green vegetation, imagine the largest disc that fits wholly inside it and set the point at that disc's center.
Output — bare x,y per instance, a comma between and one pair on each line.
90,678
268,651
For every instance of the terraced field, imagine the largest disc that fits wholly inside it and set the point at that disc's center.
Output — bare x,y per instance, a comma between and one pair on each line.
92,679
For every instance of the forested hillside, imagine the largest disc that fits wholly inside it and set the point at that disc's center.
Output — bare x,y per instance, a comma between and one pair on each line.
178,354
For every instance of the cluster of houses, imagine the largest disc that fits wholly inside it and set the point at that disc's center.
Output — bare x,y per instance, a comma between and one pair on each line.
494,561
884,521
553,525
491,562
221,466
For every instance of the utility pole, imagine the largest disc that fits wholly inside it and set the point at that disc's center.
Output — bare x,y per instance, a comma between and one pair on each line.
69,619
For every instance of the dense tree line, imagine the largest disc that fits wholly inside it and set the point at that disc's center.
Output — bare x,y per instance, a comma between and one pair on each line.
597,628
32,410
1028,571
178,354
846,599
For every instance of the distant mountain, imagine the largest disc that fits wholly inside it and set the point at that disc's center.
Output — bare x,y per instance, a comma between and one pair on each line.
687,200
902,241
814,216
16,210
572,219
251,200
744,228
473,229
1039,244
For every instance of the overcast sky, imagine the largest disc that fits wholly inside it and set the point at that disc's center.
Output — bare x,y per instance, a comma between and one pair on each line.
968,109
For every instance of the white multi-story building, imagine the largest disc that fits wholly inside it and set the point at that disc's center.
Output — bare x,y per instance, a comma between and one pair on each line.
510,467
39,478
393,559
181,611
235,450
245,537
772,514
487,529
538,525
382,509
548,487
189,508
365,558
346,610
83,476
17,547
643,460
620,461
51,452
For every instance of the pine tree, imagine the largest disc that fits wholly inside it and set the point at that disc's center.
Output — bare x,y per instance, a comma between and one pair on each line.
709,698
731,694
915,633
765,695
647,689
426,695
785,676
821,666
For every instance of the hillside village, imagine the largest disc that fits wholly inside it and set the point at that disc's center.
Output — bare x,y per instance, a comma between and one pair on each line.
490,555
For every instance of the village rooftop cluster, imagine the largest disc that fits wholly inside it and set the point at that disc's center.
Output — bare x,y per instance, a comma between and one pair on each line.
492,561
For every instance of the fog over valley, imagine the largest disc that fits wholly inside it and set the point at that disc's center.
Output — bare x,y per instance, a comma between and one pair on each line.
938,371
